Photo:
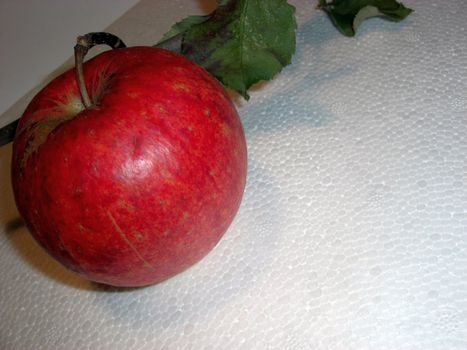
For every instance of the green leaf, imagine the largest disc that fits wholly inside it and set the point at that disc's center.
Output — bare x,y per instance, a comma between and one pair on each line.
181,27
347,15
243,41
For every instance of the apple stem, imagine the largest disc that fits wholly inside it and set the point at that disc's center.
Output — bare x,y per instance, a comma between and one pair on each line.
83,44
80,52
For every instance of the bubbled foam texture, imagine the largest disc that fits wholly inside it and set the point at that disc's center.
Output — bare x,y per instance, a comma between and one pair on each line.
352,233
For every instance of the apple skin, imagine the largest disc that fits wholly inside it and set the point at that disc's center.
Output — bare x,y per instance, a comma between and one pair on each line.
143,184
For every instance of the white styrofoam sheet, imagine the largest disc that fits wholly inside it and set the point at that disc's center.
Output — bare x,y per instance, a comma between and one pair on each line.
353,229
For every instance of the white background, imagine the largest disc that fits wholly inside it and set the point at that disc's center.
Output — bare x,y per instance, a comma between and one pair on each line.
352,233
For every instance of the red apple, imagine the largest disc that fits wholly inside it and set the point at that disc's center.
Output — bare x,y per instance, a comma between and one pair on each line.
141,185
